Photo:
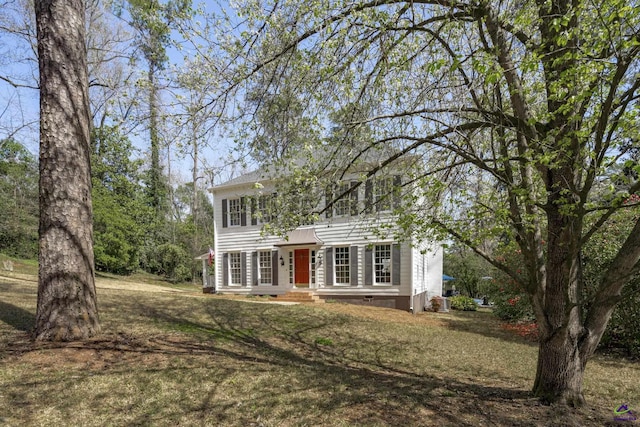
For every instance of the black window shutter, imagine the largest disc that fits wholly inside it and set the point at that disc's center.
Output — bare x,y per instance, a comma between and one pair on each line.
254,268
368,266
225,269
353,195
328,198
224,213
243,211
328,266
243,268
353,266
395,264
397,191
254,211
274,267
368,196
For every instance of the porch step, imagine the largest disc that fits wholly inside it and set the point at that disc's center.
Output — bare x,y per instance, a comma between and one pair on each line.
300,296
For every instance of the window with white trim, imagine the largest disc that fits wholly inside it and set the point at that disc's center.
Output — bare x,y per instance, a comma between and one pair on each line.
235,268
264,268
265,208
382,193
382,264
341,257
342,206
313,267
291,267
234,212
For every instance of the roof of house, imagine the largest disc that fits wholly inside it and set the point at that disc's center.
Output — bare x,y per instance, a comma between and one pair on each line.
247,178
263,174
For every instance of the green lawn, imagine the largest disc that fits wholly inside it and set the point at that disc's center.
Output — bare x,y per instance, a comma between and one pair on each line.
190,359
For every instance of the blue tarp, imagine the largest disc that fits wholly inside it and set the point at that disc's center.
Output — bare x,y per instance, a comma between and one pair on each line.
446,278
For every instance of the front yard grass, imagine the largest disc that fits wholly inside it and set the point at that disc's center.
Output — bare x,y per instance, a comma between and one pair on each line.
172,359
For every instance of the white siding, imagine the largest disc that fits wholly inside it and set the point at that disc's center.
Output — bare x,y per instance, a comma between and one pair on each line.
427,270
335,231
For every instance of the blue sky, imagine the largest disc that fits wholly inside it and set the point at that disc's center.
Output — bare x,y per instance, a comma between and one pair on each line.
19,105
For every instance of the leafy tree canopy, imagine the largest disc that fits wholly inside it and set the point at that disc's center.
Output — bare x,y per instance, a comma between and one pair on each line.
521,113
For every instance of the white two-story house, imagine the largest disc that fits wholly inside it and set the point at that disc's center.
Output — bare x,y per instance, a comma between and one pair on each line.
340,257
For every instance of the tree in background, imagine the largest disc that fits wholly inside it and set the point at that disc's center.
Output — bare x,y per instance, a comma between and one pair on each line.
67,304
197,124
153,21
124,228
18,200
121,216
534,100
472,272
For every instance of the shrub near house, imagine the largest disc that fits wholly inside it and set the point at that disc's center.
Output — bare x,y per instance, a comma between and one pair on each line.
463,302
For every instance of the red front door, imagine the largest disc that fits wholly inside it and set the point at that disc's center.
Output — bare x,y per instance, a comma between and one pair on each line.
301,267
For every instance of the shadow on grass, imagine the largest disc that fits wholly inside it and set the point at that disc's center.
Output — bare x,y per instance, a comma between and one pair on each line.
483,323
16,317
296,366
356,386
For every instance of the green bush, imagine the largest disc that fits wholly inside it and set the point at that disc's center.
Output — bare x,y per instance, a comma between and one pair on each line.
623,330
171,261
511,305
117,235
462,302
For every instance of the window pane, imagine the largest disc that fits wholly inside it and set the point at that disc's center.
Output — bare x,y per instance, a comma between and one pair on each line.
234,212
264,259
265,208
342,206
382,263
235,269
342,265
313,267
382,193
291,267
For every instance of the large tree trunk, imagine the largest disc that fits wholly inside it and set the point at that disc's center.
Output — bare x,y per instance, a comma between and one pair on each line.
560,368
67,308
560,360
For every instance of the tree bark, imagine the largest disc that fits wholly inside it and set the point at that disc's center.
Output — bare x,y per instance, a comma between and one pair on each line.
561,367
157,193
67,305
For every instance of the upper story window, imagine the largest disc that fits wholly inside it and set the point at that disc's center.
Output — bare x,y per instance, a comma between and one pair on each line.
382,193
346,203
235,209
342,206
262,209
234,212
